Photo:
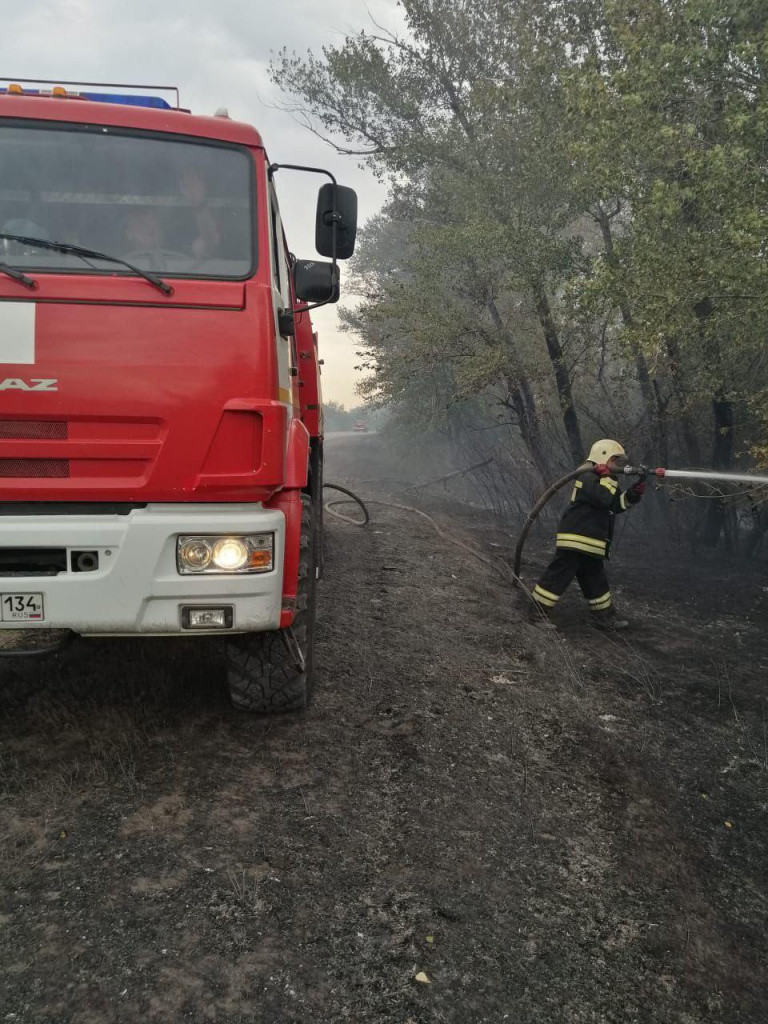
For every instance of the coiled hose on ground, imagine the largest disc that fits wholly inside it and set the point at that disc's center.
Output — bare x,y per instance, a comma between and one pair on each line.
497,565
341,501
511,575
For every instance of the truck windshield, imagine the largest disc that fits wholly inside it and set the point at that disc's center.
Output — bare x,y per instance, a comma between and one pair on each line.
172,207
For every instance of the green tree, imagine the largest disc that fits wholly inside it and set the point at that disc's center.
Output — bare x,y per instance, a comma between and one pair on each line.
577,224
442,112
667,117
336,417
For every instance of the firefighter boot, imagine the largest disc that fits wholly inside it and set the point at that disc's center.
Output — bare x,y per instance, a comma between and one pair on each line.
538,615
608,621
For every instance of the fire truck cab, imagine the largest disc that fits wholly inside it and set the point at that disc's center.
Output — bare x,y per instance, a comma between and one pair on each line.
160,410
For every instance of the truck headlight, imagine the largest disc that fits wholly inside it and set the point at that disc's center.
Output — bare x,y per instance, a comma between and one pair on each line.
230,554
225,555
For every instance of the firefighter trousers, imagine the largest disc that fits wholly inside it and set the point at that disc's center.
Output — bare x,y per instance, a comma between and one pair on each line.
590,573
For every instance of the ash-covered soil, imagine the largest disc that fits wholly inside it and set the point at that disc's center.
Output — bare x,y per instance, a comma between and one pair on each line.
551,829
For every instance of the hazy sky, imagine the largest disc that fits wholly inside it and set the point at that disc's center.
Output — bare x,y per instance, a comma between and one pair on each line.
217,52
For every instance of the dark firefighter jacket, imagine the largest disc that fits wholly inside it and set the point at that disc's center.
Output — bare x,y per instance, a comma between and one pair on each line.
587,523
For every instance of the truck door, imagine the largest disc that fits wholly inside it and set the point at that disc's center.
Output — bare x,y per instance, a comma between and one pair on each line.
281,300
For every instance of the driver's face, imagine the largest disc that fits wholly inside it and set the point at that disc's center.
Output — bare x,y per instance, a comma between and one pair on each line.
143,231
192,185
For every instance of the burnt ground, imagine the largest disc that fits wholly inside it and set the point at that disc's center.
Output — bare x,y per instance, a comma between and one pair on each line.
552,829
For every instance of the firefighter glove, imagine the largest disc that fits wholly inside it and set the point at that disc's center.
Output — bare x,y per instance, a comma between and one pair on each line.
638,488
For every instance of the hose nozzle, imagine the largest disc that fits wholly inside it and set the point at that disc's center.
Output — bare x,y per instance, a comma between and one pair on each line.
643,472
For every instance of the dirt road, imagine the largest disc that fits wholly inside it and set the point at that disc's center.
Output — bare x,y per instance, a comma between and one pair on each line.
551,830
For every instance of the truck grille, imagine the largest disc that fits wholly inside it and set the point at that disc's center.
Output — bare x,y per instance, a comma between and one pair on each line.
34,430
32,561
92,454
34,468
69,508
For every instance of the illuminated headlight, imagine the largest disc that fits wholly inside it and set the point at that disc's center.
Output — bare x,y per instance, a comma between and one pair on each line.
225,555
230,555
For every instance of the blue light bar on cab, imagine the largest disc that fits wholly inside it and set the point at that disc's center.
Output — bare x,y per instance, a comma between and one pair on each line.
124,99
130,101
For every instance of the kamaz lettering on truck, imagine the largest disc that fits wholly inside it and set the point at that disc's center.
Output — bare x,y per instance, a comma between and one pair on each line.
160,412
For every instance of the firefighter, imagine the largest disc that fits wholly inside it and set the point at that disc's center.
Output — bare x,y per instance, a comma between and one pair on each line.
584,538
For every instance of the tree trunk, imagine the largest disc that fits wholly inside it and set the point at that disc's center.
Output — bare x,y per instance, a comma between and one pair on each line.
722,457
524,404
522,400
654,406
722,447
692,448
720,518
662,440
562,376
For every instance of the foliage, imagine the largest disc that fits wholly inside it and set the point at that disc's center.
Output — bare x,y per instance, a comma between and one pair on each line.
671,109
575,240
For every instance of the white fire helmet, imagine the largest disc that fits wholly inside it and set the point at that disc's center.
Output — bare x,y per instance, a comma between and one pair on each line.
603,450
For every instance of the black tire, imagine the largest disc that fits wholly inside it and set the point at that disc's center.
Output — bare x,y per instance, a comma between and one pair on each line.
262,673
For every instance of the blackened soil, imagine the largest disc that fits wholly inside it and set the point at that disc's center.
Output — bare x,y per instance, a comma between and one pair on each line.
565,828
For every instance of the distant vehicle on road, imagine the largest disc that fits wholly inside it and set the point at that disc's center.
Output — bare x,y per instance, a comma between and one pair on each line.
360,427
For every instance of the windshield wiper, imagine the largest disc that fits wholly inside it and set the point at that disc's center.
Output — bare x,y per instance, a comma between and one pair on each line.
77,250
17,276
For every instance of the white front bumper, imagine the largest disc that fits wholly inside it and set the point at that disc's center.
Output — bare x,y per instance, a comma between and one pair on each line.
137,588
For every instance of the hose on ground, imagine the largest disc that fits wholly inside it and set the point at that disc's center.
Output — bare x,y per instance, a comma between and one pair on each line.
533,514
354,498
497,565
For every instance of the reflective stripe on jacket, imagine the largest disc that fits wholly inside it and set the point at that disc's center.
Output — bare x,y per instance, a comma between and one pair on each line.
587,523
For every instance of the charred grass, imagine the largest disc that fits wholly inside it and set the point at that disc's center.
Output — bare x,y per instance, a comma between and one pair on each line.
551,830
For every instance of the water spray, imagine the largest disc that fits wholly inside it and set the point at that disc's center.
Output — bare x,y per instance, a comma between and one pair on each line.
639,471
695,474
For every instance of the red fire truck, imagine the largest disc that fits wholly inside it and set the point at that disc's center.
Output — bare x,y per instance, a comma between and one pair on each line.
160,412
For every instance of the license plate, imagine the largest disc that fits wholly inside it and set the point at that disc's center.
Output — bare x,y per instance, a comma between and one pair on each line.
21,607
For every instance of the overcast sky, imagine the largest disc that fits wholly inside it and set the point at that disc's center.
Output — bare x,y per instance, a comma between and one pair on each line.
217,52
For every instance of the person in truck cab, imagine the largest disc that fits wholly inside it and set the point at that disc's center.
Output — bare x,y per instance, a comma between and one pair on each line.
207,236
190,231
584,538
143,232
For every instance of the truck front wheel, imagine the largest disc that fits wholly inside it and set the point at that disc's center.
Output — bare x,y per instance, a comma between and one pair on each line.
264,670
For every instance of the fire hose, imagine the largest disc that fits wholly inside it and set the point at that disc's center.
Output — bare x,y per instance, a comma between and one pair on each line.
497,565
639,471
351,497
587,467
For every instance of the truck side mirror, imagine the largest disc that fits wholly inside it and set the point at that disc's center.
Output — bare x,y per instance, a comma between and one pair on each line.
316,282
343,215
